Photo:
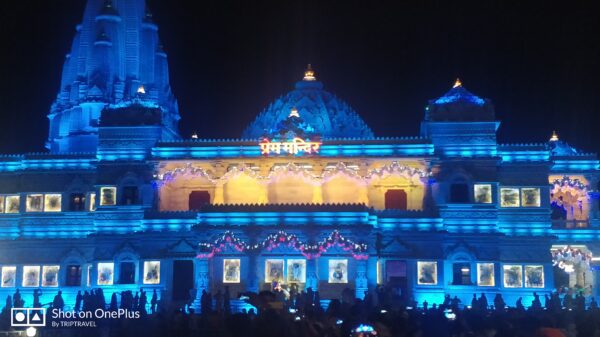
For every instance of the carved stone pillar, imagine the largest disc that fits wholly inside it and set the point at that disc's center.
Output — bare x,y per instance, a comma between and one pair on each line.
361,283
202,281
252,280
312,281
428,201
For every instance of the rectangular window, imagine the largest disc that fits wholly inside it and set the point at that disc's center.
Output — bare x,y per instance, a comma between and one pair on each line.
31,276
108,196
77,202
1,204
35,203
50,276
427,273
485,275
273,270
73,278
530,197
92,203
513,276
151,272
52,202
127,273
534,276
296,271
509,197
9,276
482,193
338,271
106,273
13,204
231,270
89,276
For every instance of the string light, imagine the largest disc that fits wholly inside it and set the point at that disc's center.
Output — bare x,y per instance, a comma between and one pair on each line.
566,181
281,238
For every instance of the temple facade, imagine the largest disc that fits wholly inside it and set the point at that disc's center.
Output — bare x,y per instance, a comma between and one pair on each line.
308,197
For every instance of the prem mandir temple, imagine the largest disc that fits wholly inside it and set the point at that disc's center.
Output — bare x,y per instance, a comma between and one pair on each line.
308,197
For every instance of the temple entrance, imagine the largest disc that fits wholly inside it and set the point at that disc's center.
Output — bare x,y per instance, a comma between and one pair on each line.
395,276
571,269
183,279
395,199
198,199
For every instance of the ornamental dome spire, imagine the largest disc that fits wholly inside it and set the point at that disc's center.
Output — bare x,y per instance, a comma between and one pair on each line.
457,83
316,112
554,137
309,74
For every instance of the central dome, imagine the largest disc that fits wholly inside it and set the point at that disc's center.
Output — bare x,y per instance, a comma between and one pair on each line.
322,112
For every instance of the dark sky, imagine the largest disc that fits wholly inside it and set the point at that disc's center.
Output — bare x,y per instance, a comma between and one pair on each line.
539,61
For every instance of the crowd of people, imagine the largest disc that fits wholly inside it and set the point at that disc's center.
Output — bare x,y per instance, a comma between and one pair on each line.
382,312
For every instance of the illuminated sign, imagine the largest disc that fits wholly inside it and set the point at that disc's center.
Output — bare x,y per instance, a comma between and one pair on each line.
297,145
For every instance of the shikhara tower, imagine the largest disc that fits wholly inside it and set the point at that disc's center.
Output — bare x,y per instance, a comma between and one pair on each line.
116,58
308,197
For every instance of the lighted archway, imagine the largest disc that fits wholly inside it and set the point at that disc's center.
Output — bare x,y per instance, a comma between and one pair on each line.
176,186
396,177
292,184
343,185
243,186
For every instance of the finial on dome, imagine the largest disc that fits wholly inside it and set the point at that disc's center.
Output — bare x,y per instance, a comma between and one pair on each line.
194,135
457,83
309,74
141,90
294,113
554,137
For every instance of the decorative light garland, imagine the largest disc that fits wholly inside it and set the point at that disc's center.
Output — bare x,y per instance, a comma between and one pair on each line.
281,238
163,178
395,167
566,258
566,181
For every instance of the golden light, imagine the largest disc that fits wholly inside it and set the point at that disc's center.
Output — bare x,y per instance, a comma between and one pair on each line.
309,74
141,90
457,83
554,137
294,113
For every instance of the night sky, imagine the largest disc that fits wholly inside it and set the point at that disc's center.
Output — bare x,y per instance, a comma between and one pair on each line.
538,62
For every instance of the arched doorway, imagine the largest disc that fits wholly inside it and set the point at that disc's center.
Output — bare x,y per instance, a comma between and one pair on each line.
395,199
198,199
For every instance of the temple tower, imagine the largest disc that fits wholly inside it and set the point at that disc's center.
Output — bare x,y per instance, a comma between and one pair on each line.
116,61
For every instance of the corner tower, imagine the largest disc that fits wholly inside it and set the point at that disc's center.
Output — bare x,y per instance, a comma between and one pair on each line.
461,124
116,61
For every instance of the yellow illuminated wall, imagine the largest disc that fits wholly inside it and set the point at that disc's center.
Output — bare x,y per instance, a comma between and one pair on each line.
272,180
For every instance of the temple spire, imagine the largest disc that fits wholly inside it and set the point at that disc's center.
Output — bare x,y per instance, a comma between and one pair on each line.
554,137
457,83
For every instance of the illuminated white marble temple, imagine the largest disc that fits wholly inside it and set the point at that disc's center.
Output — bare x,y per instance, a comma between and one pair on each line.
309,197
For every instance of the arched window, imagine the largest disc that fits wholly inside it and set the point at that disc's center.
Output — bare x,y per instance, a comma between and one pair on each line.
130,195
461,273
459,192
395,199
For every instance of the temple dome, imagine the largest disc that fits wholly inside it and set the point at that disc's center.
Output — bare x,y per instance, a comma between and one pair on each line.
321,112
